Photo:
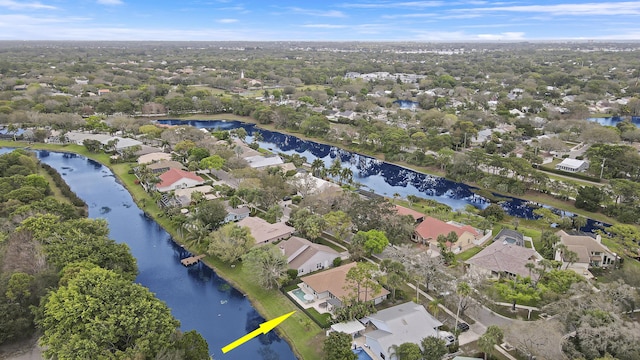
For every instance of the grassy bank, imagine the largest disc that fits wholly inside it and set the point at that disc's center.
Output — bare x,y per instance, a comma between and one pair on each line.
304,336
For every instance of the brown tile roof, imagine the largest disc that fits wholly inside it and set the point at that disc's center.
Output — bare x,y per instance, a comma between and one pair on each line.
401,210
263,231
334,281
299,250
504,257
172,175
430,228
165,164
583,245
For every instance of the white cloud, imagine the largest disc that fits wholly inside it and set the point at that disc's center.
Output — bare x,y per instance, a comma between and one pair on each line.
110,2
604,8
409,16
502,36
14,5
389,4
324,13
324,26
227,21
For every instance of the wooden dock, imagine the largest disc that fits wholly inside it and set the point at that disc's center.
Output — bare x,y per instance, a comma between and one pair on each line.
192,260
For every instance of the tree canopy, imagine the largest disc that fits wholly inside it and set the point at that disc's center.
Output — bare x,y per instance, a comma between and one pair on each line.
100,314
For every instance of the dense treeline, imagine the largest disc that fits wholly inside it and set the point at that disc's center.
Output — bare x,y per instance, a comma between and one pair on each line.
63,186
57,267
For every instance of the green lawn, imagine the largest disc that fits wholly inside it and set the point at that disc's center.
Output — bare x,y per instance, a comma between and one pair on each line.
467,254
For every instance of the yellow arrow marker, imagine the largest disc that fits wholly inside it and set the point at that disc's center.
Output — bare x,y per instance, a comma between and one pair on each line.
264,328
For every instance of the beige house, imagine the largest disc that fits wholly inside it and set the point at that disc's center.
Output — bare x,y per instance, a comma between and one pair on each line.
305,256
332,285
153,157
430,228
590,251
265,232
502,258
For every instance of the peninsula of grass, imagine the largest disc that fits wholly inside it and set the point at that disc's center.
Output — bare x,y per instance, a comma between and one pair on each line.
304,336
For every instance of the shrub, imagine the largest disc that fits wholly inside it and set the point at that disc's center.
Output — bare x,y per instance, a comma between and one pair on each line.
337,261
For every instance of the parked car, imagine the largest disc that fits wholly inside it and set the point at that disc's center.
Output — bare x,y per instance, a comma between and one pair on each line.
462,327
447,337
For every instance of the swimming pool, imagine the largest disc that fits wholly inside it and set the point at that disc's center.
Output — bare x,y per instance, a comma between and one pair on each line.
299,294
362,355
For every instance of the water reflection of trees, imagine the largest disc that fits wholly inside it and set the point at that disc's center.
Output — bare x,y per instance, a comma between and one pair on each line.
253,322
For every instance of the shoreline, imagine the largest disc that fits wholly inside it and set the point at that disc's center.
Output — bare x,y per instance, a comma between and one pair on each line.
220,269
527,196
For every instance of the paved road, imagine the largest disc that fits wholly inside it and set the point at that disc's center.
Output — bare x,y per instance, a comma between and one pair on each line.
482,316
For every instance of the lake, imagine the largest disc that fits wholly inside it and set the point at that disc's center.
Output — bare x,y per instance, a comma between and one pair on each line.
614,120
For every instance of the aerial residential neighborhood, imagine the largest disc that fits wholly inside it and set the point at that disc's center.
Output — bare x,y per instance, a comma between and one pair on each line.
397,200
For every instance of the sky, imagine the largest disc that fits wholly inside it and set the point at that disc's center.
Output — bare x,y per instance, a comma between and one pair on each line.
319,20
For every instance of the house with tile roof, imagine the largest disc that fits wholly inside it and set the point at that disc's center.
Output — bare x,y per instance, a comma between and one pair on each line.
501,259
265,232
332,285
408,322
430,228
590,250
305,256
177,179
162,166
403,211
153,157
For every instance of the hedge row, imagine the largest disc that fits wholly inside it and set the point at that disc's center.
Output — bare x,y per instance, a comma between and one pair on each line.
62,185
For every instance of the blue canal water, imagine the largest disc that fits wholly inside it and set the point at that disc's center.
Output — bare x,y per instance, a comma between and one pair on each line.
376,175
199,298
407,104
614,120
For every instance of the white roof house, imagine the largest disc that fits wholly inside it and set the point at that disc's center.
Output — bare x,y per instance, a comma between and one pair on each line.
259,161
350,327
79,137
122,143
573,165
408,322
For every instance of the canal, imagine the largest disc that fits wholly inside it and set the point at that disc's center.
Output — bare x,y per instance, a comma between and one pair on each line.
199,298
376,175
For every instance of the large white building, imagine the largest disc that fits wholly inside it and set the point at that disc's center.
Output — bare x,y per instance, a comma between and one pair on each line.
573,165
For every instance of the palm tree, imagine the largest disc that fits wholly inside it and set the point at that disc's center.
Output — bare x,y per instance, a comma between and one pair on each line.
434,307
393,351
396,196
317,168
530,266
579,222
492,337
336,168
463,290
197,231
346,175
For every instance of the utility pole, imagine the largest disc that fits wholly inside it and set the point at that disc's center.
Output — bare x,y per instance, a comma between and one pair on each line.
602,167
